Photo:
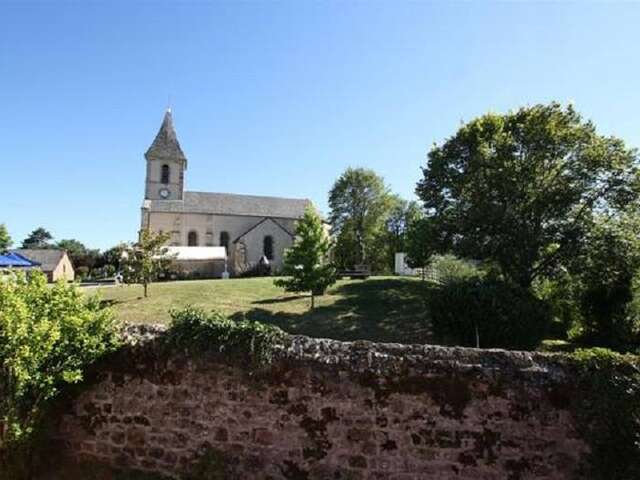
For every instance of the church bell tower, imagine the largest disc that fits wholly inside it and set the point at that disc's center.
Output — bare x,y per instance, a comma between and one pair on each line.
166,164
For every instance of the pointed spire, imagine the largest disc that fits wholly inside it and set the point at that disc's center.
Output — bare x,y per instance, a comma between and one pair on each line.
166,145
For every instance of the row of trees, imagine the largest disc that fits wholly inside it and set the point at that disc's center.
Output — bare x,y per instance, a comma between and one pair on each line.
136,261
86,261
39,238
139,262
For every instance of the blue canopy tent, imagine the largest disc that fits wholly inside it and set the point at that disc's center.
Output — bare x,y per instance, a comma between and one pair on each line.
15,260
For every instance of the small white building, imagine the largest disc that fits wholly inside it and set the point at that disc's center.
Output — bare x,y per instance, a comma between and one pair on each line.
205,262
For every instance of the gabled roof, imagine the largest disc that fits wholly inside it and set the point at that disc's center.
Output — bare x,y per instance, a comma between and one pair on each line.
232,204
260,223
15,260
166,145
47,258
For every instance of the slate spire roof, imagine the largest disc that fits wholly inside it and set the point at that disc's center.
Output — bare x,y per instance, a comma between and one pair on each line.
166,145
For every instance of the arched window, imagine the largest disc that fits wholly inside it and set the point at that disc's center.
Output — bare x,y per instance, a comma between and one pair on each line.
164,175
267,247
192,238
224,240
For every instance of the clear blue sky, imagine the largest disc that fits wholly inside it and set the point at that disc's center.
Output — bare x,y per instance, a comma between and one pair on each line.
278,98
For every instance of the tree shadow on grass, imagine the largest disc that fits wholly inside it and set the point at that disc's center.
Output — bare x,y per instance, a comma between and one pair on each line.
112,302
271,301
381,310
109,303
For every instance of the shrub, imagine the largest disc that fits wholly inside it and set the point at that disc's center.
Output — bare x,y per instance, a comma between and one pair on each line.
82,272
561,295
48,336
609,315
449,268
488,313
608,411
106,271
245,340
607,273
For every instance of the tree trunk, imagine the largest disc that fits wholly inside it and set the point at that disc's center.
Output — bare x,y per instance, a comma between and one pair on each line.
360,242
313,301
144,284
477,336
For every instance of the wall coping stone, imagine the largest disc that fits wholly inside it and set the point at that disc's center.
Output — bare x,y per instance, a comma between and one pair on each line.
363,356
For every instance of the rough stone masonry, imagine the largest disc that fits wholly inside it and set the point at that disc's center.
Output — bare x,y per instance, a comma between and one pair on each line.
332,410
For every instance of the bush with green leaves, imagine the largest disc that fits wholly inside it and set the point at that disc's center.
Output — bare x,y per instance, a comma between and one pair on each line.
605,274
48,337
449,268
607,411
560,294
488,313
245,340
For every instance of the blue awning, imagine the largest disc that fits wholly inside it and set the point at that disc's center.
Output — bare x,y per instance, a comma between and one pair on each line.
12,259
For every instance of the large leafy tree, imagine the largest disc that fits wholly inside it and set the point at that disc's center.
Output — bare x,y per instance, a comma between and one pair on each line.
80,255
360,203
418,248
401,215
109,262
521,189
74,248
306,263
112,256
39,238
146,258
5,238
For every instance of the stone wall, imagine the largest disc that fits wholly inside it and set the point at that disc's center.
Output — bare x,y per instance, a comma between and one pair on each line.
332,410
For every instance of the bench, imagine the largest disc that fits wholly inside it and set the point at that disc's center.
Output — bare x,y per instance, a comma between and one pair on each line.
358,271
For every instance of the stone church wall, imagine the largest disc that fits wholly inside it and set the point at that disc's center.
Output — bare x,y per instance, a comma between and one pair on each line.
208,228
281,241
332,410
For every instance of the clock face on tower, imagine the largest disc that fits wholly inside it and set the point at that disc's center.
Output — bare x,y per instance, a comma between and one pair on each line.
164,193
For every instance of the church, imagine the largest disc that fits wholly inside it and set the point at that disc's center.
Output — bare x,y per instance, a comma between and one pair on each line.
244,228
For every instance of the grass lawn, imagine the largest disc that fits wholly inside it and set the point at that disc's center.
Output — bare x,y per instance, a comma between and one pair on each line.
383,309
